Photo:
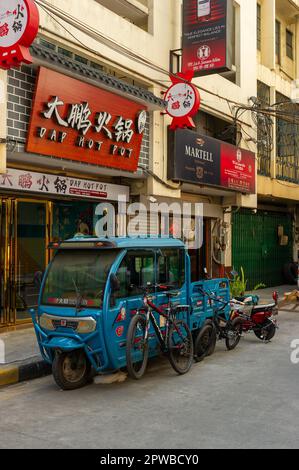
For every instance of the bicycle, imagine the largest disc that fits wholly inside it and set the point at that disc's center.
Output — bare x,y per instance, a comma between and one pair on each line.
218,328
175,341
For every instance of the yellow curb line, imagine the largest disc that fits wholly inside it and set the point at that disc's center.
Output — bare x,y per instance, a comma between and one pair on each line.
9,376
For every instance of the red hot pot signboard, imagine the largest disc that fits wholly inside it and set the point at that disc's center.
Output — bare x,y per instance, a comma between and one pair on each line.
198,159
207,36
183,101
19,21
77,121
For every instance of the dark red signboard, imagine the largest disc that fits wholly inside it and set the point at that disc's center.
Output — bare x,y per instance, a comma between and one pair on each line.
237,169
207,36
19,22
77,121
198,159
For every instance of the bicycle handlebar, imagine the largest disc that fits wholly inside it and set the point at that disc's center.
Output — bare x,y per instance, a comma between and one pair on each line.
218,299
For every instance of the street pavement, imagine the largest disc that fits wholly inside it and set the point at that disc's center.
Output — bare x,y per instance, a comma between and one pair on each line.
247,398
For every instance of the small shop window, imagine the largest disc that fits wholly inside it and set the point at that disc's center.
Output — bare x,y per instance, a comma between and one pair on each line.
171,268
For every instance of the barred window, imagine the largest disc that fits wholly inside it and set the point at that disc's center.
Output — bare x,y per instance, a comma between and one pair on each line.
259,27
287,139
278,41
290,44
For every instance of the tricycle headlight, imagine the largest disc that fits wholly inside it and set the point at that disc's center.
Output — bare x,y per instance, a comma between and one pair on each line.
46,322
86,326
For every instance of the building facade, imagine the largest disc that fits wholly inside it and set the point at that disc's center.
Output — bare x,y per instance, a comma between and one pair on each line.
120,53
266,242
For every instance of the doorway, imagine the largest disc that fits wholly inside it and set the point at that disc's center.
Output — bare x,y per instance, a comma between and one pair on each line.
24,237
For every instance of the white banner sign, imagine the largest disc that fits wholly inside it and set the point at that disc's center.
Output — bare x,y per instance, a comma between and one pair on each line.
43,183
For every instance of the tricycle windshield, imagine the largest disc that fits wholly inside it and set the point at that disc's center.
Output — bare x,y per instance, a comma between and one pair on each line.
78,278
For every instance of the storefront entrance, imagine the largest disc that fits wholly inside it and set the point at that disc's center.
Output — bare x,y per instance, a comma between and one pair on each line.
26,228
24,237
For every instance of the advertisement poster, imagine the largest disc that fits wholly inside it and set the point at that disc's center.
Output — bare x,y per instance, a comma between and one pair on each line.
207,36
199,159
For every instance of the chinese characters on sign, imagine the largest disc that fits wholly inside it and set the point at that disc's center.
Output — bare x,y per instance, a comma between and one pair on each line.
19,180
78,121
183,101
19,21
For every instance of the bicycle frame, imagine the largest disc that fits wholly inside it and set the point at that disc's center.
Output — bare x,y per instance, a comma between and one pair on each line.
151,318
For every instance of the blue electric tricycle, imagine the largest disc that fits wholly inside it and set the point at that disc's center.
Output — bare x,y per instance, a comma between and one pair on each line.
91,291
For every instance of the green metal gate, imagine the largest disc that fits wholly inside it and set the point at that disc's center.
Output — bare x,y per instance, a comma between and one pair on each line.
257,245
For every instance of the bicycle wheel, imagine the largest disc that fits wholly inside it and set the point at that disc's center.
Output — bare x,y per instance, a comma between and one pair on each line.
180,347
203,342
137,347
233,334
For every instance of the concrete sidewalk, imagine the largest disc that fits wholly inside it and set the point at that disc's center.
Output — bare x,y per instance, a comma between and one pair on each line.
24,362
22,359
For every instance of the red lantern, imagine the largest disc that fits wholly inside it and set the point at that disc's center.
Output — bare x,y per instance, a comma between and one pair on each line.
19,22
183,101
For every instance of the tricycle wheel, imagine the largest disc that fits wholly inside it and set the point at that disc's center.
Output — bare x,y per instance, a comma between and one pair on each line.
137,347
71,370
266,331
203,342
180,347
212,347
233,334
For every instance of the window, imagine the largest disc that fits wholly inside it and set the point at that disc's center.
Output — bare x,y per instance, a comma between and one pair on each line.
287,140
259,27
264,131
80,59
290,44
137,269
134,11
78,277
65,52
47,44
278,41
171,268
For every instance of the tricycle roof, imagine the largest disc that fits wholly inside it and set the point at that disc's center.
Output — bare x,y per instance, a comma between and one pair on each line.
82,242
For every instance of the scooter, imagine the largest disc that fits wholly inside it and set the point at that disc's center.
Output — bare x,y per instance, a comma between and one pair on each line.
261,319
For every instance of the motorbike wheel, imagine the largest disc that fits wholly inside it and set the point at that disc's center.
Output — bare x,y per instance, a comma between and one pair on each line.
203,342
71,370
234,333
180,347
266,332
137,347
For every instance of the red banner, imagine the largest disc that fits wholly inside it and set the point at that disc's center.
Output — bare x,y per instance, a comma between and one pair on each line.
77,121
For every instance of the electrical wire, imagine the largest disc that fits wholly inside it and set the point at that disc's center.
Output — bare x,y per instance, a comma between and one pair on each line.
52,10
237,113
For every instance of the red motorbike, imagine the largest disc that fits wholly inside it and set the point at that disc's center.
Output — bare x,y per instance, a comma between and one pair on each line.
261,319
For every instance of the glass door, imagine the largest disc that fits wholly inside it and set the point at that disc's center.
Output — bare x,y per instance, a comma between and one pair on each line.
31,255
3,283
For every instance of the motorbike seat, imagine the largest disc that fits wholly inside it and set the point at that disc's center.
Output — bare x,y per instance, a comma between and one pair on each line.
263,308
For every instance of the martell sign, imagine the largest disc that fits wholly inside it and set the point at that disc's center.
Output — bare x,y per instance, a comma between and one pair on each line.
19,22
198,159
77,121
